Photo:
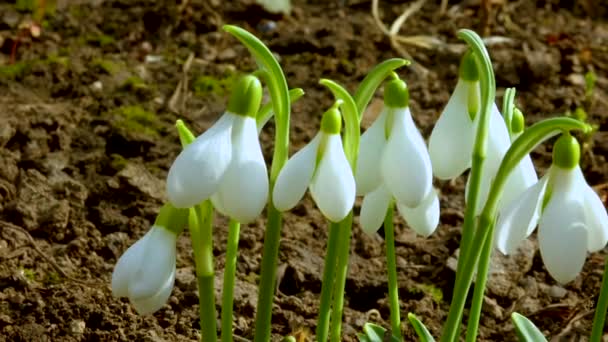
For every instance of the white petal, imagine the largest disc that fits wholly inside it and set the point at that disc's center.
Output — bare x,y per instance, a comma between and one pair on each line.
423,219
243,191
157,264
295,176
196,172
128,264
517,220
218,205
452,138
333,185
370,153
149,305
406,166
521,178
373,210
596,218
562,236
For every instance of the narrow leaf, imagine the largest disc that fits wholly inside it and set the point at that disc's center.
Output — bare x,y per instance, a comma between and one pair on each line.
526,330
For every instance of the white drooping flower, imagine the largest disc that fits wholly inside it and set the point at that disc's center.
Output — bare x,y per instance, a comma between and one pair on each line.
571,217
453,138
225,163
394,165
322,167
145,273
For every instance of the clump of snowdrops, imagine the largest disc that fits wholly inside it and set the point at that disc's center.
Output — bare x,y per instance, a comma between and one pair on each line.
223,170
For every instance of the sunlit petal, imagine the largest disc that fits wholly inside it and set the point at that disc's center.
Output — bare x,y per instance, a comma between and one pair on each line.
157,264
333,185
452,138
149,305
423,219
243,191
373,210
406,166
295,177
370,153
518,219
196,172
596,218
127,265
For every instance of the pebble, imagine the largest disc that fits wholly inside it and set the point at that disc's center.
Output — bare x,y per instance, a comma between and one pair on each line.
557,292
77,327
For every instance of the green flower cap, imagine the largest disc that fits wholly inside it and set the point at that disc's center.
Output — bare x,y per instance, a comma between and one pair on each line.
396,94
331,122
246,97
172,218
468,67
518,121
566,152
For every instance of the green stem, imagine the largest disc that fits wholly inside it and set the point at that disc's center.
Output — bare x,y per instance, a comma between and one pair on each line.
327,285
488,88
341,272
268,274
229,278
393,286
480,287
202,243
599,318
531,138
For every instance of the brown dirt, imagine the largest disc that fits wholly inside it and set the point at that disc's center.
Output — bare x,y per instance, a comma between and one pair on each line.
86,179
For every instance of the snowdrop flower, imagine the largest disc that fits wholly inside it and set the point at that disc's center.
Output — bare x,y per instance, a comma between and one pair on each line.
453,138
571,217
225,163
394,164
145,273
322,167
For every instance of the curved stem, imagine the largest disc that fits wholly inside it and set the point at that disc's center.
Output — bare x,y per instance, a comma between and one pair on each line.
480,287
488,88
373,79
279,94
229,279
599,317
393,286
341,272
327,284
530,138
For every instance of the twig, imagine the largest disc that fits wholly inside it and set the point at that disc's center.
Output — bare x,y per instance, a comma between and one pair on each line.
46,257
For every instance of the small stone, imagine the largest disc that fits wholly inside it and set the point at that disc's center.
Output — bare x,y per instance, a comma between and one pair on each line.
77,327
227,54
557,292
97,86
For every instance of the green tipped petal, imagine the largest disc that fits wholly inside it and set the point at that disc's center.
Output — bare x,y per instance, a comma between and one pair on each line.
566,152
331,123
246,97
396,94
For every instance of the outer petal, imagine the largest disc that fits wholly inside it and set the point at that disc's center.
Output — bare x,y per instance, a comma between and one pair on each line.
373,210
149,305
157,264
243,191
333,185
596,218
562,232
196,172
423,219
521,178
128,264
406,165
452,138
370,153
518,219
295,176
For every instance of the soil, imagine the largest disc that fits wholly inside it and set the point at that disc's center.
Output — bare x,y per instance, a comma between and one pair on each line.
87,112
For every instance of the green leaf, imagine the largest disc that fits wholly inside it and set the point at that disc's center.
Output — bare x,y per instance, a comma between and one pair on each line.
265,113
421,330
288,339
374,333
372,81
526,330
